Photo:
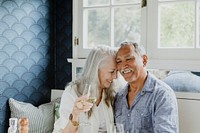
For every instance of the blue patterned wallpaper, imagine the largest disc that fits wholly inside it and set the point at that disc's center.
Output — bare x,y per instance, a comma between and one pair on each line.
34,47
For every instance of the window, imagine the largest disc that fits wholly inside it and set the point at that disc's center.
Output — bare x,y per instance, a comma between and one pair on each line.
173,29
169,29
108,22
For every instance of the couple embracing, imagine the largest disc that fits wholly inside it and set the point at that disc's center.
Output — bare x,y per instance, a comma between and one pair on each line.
143,104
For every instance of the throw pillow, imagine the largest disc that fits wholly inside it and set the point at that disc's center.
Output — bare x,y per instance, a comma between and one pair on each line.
41,119
183,81
57,114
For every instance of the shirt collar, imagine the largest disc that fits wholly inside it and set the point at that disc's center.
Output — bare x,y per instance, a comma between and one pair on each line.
148,85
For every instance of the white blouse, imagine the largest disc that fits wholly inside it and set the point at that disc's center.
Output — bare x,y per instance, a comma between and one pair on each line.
68,99
102,120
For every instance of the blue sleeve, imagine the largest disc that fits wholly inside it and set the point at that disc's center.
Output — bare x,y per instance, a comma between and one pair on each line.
165,118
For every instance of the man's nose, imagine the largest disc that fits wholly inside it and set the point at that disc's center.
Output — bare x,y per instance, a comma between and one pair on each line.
124,65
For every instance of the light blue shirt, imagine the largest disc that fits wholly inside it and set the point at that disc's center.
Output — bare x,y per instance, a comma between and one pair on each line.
154,109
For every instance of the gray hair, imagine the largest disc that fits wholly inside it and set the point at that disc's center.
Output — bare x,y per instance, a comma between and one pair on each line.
139,49
94,59
90,70
90,73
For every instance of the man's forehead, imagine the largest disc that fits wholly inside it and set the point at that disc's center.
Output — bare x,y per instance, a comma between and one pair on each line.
127,47
126,50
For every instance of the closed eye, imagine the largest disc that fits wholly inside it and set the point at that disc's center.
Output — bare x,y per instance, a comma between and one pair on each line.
112,71
130,58
118,61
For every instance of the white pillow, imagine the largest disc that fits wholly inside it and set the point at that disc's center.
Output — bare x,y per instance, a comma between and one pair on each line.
41,119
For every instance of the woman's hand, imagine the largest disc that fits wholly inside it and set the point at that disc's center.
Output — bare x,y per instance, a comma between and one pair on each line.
81,105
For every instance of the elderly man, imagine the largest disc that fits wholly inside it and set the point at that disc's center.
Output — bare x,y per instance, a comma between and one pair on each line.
146,104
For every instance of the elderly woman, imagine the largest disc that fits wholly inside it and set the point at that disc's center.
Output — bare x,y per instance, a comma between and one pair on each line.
100,69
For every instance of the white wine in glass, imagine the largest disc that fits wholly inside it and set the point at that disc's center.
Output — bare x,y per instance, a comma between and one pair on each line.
92,99
84,121
90,90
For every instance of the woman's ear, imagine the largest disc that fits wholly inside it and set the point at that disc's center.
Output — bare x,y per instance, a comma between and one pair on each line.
145,60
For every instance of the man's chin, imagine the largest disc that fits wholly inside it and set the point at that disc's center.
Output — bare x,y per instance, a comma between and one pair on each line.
127,77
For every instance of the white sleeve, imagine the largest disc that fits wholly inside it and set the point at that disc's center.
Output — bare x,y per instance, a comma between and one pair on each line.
66,105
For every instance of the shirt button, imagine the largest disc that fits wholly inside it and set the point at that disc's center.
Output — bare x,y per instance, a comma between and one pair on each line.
128,115
142,93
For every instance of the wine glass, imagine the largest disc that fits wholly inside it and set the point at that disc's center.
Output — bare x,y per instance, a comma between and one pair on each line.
88,91
91,91
116,128
13,125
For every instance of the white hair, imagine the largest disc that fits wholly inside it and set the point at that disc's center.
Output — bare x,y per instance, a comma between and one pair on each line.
90,74
92,64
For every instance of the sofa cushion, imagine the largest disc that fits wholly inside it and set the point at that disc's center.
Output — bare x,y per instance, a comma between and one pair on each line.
183,81
41,119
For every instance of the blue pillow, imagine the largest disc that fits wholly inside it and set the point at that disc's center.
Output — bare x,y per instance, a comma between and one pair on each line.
183,81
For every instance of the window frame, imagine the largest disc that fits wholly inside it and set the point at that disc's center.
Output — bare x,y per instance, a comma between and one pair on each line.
186,59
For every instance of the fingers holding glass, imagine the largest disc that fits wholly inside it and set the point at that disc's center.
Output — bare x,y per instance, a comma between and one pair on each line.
84,106
79,104
85,103
81,107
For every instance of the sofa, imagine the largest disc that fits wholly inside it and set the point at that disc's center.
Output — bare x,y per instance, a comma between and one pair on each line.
41,118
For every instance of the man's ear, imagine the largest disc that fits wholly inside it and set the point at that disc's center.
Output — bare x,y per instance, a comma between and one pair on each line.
145,60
